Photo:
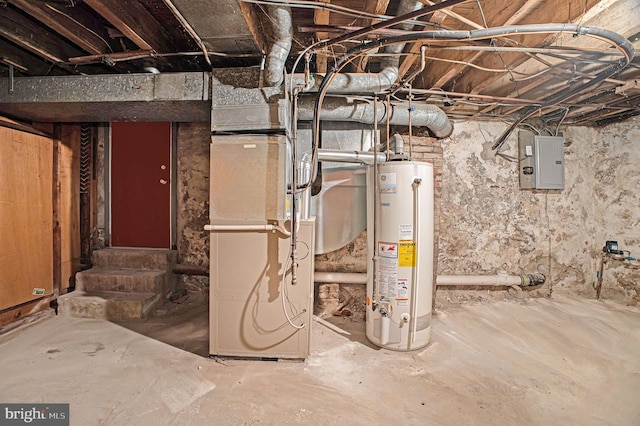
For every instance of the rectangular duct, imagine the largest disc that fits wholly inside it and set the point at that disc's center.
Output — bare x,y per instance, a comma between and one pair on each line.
240,103
248,178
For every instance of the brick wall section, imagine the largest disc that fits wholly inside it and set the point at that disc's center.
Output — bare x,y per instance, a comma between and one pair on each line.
327,298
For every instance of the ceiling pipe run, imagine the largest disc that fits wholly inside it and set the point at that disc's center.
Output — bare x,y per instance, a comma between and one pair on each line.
389,73
344,82
341,109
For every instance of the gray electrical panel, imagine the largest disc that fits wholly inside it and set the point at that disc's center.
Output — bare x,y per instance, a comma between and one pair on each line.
541,161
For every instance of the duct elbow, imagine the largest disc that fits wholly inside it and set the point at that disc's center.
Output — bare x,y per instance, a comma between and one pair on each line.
279,51
436,120
274,67
429,116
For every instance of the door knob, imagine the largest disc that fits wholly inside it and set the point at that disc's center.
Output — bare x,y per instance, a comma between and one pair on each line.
163,181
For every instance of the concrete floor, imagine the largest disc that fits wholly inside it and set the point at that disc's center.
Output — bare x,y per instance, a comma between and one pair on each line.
533,362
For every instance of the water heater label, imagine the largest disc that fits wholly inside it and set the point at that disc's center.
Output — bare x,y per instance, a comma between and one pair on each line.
405,232
403,289
388,250
387,277
407,254
388,183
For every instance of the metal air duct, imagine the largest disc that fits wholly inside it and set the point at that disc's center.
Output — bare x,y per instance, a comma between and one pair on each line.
341,109
283,34
342,82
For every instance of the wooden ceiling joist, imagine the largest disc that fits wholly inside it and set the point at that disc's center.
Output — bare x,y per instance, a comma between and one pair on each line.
22,60
441,73
321,17
253,22
377,7
27,34
135,23
546,12
59,20
409,61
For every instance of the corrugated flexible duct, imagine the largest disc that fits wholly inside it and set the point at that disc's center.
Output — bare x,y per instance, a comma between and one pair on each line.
282,28
343,82
341,109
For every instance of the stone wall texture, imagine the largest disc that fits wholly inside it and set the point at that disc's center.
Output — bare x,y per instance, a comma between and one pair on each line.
485,223
193,200
489,225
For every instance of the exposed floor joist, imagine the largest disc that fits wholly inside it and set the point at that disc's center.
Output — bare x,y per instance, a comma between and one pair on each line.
134,21
27,34
321,17
59,20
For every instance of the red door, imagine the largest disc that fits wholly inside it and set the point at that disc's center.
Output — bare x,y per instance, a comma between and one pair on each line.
140,187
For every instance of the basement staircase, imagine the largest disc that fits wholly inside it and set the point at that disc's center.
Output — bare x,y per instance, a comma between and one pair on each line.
124,284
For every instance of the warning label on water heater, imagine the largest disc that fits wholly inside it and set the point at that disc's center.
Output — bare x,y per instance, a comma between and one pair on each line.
402,298
387,278
388,270
389,250
407,254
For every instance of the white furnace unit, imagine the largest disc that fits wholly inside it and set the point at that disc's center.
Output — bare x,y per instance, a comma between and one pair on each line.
254,309
400,249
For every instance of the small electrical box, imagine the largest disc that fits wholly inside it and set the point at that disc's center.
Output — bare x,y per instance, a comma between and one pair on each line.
541,161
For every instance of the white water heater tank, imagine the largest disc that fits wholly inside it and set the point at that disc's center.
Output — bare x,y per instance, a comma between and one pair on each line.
400,278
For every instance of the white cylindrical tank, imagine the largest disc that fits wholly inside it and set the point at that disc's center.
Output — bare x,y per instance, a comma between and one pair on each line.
400,277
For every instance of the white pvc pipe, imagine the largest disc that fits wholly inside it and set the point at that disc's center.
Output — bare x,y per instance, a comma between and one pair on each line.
479,280
246,228
416,273
384,329
340,277
443,280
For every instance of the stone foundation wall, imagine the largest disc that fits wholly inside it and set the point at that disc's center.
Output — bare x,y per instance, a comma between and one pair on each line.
490,225
193,200
484,223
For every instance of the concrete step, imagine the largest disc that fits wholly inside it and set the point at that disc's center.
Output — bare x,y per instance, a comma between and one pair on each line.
131,258
109,305
124,280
